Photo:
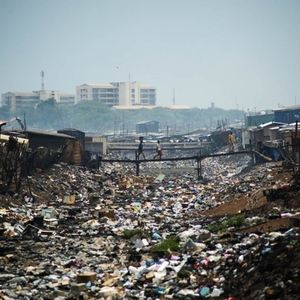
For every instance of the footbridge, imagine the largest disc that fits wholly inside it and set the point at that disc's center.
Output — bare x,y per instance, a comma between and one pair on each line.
197,158
151,146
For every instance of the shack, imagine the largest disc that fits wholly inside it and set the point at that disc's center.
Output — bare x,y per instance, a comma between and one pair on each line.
67,148
265,132
38,138
79,135
146,127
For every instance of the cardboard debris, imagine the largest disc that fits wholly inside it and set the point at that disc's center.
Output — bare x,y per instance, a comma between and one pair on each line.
69,199
86,277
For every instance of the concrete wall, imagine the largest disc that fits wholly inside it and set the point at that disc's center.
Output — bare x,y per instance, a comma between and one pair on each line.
96,145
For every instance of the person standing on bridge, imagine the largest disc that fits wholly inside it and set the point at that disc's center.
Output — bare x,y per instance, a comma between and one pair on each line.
141,149
158,150
231,142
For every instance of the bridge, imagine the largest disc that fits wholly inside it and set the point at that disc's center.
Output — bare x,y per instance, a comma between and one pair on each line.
151,146
198,158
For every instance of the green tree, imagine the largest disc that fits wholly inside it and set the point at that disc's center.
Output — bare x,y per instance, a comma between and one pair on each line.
47,115
92,116
5,113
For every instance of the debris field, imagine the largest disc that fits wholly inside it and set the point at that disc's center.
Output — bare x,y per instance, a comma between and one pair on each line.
78,233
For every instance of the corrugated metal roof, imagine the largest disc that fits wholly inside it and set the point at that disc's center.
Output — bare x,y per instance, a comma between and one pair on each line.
50,133
146,122
69,129
270,123
293,107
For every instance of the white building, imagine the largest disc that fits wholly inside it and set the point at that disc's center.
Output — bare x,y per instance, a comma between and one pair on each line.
16,100
117,93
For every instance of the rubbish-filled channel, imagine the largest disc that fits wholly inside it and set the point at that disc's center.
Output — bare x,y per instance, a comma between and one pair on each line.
108,234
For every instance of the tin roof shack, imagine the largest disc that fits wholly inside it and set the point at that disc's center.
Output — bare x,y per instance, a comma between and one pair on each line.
79,135
268,130
49,146
147,126
287,114
256,135
265,141
275,133
47,139
291,136
265,132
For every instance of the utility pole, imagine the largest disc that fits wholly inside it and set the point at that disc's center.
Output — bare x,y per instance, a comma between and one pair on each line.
115,127
123,125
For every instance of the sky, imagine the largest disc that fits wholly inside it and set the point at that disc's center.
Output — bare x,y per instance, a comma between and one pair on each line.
236,54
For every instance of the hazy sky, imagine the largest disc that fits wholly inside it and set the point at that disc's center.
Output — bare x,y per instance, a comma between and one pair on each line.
237,54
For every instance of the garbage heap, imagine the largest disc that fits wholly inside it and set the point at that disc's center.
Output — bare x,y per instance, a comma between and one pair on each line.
82,233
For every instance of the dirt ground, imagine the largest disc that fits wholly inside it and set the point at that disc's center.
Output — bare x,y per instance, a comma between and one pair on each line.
258,205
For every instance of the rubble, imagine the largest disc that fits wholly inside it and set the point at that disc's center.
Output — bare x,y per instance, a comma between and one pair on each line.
105,233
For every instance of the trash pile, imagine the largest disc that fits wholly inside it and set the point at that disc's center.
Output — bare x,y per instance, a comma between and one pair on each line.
79,233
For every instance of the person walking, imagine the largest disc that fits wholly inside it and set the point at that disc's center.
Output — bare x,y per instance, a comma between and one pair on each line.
141,149
158,150
231,142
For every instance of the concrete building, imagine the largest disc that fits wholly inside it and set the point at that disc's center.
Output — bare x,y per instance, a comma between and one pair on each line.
15,100
118,94
19,99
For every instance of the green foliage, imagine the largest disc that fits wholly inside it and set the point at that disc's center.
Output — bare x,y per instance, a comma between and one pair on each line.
183,274
236,221
92,116
216,228
130,233
47,105
170,243
4,113
46,115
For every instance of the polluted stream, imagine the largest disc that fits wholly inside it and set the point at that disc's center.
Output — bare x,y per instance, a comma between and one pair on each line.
81,233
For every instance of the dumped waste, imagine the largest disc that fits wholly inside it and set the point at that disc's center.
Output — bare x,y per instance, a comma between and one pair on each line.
105,233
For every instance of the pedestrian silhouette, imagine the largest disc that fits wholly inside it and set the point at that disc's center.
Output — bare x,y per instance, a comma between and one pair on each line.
158,150
141,149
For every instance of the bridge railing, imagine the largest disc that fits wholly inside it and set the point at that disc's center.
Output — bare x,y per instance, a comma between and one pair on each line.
150,145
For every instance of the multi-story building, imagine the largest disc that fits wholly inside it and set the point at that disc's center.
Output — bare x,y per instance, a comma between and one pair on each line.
19,99
118,94
16,100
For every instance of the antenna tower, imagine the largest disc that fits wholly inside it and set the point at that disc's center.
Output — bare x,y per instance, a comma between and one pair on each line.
42,75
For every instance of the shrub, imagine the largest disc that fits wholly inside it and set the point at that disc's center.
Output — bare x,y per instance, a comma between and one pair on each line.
234,221
130,233
172,243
